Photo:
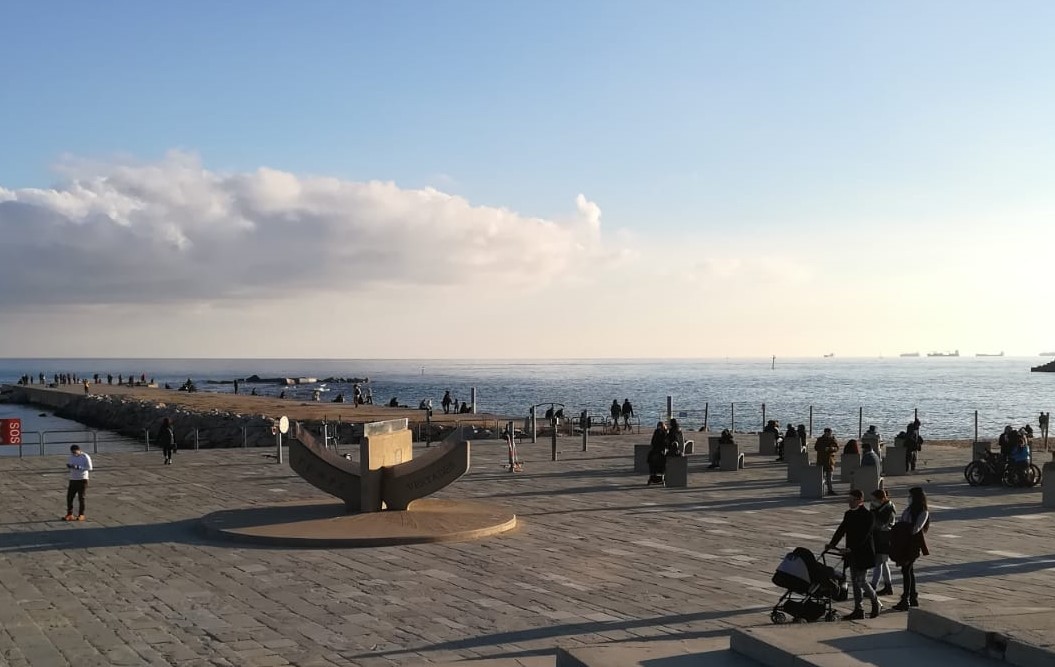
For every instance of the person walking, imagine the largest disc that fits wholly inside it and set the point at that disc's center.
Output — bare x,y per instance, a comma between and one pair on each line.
856,527
615,411
908,542
884,515
675,439
628,413
79,465
446,402
167,439
826,448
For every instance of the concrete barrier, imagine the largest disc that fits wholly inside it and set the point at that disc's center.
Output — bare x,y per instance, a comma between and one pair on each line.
731,456
811,483
797,462
894,461
767,443
792,445
677,475
866,479
980,450
641,458
1048,485
847,465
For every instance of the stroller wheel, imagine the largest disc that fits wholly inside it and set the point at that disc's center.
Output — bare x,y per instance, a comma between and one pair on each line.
778,617
799,619
831,616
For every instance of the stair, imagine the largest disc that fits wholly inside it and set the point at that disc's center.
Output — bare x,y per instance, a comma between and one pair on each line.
713,652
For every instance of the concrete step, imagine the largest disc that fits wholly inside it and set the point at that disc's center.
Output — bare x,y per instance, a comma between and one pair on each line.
713,652
534,661
1020,636
883,642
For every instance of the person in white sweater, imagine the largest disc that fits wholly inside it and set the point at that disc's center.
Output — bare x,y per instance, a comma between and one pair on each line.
79,464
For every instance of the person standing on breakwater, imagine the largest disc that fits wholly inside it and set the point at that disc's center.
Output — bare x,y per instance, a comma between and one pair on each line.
167,439
79,464
446,402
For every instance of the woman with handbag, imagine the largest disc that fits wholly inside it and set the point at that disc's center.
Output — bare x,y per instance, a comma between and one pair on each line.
908,542
885,515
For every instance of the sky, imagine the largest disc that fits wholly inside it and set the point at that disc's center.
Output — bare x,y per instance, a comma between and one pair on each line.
542,179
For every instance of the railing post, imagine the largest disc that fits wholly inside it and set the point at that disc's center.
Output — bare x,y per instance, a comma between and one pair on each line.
146,438
95,442
810,432
40,441
706,409
534,429
195,439
763,415
670,408
732,417
976,426
243,438
860,422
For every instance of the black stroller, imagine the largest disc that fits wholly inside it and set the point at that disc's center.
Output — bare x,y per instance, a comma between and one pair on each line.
810,585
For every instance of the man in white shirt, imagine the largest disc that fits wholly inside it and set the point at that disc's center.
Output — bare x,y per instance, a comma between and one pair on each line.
79,464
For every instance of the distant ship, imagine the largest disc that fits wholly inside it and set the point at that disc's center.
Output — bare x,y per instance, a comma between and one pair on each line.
910,354
944,354
829,355
982,354
1047,354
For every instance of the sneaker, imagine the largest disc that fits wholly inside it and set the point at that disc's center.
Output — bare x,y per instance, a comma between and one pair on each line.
901,606
68,517
831,492
876,608
855,615
886,590
913,602
80,517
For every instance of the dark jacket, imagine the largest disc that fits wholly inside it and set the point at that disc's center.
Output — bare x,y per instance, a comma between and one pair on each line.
826,448
857,528
675,441
906,546
883,517
166,439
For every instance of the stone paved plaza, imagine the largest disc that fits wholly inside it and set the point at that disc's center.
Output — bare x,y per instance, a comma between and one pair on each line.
598,557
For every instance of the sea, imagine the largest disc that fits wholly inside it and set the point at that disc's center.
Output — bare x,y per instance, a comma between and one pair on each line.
947,394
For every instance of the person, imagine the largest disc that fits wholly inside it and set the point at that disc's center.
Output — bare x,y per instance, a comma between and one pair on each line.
628,413
826,447
167,440
790,434
79,465
675,439
908,542
394,403
253,393
339,398
772,426
724,438
913,444
464,409
357,394
425,404
446,402
1005,441
1020,451
616,412
281,394
851,447
856,527
801,433
884,515
869,456
236,386
657,455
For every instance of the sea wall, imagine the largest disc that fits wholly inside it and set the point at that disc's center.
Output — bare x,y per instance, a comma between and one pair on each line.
135,417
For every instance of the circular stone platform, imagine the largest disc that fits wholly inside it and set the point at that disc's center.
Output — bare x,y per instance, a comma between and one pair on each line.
325,524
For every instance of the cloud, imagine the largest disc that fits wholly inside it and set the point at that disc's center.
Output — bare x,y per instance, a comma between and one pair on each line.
175,231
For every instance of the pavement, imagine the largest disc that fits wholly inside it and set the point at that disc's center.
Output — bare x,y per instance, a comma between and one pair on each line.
598,557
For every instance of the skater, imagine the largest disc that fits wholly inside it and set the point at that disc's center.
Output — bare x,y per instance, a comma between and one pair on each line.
167,439
79,465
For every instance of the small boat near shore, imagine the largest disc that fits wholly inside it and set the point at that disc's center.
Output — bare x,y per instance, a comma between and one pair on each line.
944,354
983,354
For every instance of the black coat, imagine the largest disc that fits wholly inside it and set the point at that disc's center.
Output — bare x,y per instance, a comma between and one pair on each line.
857,528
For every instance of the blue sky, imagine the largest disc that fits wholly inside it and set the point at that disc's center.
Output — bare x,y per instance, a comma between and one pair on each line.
686,122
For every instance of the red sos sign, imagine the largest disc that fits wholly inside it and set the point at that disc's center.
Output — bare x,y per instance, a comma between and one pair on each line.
10,431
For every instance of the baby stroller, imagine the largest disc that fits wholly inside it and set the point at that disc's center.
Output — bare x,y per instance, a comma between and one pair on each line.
810,585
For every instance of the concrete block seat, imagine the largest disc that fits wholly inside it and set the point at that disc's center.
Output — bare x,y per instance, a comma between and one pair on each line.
848,464
797,462
677,475
811,483
866,479
731,456
767,443
641,458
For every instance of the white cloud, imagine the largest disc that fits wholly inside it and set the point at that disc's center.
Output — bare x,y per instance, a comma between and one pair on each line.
175,231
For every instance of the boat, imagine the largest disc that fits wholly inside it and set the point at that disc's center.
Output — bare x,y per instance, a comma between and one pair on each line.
909,354
1047,354
1044,368
829,355
983,354
944,354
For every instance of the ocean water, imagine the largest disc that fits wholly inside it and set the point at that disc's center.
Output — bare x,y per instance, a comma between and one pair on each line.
944,392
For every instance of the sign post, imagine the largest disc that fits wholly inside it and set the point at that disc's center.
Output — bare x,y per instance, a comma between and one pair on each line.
283,427
10,431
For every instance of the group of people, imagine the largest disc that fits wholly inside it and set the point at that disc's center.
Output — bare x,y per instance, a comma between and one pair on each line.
666,441
624,412
874,538
61,379
792,433
1016,445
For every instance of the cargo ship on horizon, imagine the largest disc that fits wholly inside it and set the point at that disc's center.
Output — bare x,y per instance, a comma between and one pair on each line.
944,354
